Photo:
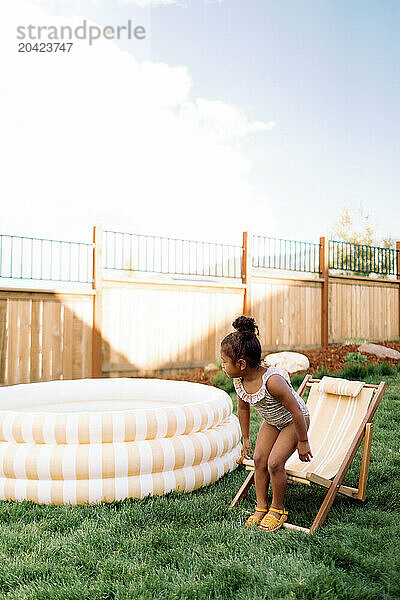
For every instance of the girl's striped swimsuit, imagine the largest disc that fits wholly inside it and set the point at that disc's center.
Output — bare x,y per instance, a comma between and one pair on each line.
270,409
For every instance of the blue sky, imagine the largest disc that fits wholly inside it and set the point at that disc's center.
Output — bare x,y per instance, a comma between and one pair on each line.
328,74
247,114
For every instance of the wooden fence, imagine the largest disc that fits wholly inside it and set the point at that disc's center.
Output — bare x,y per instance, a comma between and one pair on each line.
165,325
363,309
138,327
44,336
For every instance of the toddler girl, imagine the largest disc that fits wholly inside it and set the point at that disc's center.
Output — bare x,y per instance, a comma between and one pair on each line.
285,419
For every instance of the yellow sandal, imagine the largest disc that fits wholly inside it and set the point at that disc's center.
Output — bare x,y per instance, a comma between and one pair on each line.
253,520
270,522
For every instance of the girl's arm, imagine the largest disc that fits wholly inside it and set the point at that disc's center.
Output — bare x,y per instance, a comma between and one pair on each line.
244,420
279,388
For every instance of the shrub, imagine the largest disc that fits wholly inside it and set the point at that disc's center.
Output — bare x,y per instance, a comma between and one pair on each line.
296,379
370,369
322,371
353,371
355,358
222,381
385,369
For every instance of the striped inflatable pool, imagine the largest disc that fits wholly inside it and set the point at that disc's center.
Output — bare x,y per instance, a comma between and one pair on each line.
95,440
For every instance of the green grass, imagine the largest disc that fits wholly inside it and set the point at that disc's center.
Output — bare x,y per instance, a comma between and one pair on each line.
190,546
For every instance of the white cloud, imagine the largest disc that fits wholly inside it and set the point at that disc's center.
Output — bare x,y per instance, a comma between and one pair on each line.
228,122
96,136
139,3
145,3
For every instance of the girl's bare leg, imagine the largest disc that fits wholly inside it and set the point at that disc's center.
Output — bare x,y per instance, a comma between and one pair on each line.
284,447
266,439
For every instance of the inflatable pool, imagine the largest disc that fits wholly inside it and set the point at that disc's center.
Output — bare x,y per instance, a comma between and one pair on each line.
95,440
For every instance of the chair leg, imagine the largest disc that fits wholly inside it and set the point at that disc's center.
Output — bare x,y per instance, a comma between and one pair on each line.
242,493
325,506
362,484
334,488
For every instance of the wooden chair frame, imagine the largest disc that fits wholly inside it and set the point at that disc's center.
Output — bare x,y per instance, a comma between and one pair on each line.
334,486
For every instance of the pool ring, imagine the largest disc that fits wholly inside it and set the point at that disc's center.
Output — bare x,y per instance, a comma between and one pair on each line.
88,441
86,411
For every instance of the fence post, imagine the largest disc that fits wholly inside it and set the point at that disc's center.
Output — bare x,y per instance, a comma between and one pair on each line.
324,272
247,267
97,338
398,274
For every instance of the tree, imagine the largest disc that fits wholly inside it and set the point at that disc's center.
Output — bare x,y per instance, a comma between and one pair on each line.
356,249
344,228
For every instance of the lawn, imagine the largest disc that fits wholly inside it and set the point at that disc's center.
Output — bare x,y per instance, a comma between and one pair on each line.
190,546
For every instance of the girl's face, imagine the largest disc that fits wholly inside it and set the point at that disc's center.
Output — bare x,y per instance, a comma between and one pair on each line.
230,368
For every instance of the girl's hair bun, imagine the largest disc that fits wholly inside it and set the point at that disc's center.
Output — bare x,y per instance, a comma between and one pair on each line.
243,343
245,326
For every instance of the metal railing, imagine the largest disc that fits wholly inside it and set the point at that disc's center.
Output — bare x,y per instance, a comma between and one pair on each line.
286,255
154,254
44,259
363,259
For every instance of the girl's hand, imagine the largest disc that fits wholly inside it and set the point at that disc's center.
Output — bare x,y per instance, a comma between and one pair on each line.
304,450
246,448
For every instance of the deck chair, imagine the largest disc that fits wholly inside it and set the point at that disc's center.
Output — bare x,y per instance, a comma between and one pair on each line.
341,416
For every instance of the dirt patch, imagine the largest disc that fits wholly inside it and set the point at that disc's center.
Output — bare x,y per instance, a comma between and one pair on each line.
331,357
194,375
